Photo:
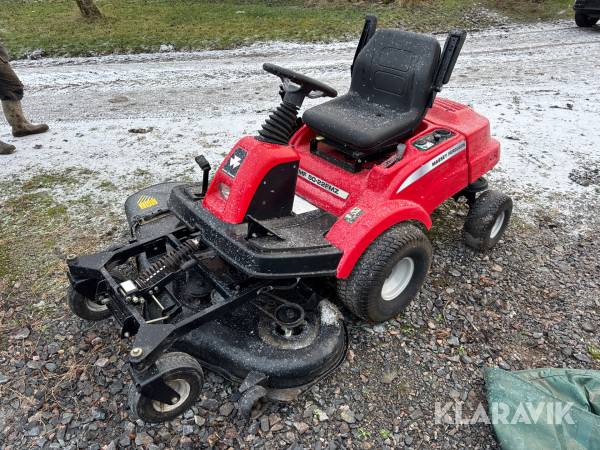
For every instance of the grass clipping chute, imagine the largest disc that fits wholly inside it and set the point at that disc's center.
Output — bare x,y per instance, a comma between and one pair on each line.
544,409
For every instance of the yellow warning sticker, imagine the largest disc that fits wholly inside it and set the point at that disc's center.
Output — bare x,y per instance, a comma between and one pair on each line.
145,202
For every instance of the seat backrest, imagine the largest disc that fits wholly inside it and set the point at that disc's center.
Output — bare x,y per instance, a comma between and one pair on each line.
397,69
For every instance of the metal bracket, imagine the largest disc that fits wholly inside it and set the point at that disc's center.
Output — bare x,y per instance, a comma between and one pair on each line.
253,379
150,384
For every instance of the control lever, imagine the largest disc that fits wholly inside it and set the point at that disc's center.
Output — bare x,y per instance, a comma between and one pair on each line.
205,167
397,156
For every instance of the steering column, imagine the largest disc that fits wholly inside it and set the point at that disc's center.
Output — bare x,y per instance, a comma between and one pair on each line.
283,122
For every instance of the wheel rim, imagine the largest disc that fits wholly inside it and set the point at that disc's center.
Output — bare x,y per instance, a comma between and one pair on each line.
398,279
182,388
95,306
498,225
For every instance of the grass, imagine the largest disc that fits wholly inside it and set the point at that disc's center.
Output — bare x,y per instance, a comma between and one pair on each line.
38,231
32,224
385,433
526,10
47,180
55,26
40,227
363,434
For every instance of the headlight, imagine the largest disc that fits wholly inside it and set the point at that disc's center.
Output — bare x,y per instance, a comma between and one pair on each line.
224,190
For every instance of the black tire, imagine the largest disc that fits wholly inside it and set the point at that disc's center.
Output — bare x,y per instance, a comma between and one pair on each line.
90,309
585,21
182,373
483,229
86,308
362,292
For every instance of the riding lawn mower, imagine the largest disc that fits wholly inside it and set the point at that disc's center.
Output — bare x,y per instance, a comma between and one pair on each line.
243,274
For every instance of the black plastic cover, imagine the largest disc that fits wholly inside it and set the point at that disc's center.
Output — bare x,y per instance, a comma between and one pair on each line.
275,194
295,256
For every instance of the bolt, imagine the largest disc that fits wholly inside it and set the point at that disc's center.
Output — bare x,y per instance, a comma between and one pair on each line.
136,352
174,400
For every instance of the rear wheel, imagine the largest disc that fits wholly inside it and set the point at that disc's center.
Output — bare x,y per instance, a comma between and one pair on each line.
180,372
388,275
487,220
585,21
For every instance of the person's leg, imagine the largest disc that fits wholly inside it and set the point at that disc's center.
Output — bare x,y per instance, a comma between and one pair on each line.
11,93
20,125
5,149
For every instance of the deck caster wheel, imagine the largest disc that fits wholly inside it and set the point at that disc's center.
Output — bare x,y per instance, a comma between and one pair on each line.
91,309
252,403
87,308
181,373
487,220
388,275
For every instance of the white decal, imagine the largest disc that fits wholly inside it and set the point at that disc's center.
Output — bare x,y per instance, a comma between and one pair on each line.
323,184
301,206
432,164
235,161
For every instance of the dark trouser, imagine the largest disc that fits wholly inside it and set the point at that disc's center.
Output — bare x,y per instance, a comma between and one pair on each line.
11,87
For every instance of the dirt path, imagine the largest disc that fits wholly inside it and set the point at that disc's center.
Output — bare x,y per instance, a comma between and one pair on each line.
531,302
536,83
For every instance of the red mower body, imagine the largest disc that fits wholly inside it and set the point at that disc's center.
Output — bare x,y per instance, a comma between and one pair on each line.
451,149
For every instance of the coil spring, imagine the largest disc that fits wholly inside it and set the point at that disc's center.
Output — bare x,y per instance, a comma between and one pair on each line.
281,124
167,264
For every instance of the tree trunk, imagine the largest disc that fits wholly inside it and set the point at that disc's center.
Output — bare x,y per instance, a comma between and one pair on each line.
88,9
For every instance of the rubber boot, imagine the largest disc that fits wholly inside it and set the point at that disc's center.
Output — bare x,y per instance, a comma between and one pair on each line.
20,125
6,149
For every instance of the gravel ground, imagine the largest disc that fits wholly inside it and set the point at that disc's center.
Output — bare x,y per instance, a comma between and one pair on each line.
531,302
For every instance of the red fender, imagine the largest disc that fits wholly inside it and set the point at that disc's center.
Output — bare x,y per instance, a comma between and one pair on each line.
353,238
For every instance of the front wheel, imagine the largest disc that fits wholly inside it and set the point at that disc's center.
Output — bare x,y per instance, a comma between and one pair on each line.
585,21
180,372
487,220
388,275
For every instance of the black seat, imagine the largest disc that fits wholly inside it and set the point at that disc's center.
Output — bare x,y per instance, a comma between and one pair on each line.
392,87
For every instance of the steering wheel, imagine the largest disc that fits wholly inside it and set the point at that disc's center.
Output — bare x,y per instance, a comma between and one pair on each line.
311,88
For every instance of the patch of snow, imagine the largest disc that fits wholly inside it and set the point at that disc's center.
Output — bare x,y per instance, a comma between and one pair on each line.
330,315
537,84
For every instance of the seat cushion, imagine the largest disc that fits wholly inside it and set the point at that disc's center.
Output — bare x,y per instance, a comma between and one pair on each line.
359,124
391,89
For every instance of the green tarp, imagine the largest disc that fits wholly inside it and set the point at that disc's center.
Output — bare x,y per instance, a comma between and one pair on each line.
545,409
